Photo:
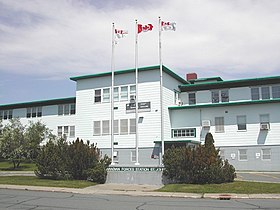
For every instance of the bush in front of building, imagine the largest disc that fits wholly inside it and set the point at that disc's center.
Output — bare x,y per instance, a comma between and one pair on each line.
62,160
198,165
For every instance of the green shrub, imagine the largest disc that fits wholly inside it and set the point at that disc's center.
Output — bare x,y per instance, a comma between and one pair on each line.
198,165
77,160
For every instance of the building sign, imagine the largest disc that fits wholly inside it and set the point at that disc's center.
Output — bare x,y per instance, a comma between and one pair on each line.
138,169
142,107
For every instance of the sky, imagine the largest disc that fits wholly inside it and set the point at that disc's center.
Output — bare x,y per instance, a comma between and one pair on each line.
44,43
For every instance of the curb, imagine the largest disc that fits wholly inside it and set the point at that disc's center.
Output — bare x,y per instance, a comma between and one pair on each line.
227,196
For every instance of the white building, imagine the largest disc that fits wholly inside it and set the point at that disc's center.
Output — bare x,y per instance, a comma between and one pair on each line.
242,115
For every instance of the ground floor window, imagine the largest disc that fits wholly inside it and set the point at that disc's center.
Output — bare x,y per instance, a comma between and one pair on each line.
183,132
66,131
133,155
266,154
242,154
219,125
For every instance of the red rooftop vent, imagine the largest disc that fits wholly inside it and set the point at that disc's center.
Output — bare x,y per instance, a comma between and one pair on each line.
191,76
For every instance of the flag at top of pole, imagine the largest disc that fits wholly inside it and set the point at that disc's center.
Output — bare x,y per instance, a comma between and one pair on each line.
120,33
168,26
144,28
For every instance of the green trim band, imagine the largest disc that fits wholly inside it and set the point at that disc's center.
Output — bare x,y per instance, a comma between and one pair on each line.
240,103
39,103
118,72
230,84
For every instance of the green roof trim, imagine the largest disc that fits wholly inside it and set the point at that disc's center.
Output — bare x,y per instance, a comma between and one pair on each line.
38,103
178,141
230,83
118,72
239,103
200,80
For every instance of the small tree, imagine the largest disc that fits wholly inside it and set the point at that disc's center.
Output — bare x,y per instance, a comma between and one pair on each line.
35,134
13,144
52,160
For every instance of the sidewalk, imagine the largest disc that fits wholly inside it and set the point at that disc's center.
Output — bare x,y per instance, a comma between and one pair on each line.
140,190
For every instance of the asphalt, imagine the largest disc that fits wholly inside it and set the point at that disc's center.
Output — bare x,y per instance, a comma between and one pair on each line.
144,190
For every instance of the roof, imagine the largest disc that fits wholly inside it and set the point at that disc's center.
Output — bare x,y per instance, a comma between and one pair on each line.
230,83
38,103
118,72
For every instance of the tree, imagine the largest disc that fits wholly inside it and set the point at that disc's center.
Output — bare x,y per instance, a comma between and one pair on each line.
199,165
13,144
35,134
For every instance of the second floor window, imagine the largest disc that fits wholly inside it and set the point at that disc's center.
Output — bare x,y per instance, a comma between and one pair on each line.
220,96
66,109
192,98
6,114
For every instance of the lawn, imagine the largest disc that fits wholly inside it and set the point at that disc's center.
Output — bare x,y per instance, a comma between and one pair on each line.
35,181
239,187
24,166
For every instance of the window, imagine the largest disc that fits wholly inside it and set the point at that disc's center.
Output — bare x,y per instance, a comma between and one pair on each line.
60,109
265,92
220,96
185,132
133,155
224,96
219,125
105,127
97,96
241,122
132,126
72,108
192,98
266,154
275,91
66,109
28,112
215,96
6,114
124,126
124,93
264,118
116,127
39,111
72,131
96,128
33,112
242,153
115,156
66,131
255,94
59,131
106,95
116,93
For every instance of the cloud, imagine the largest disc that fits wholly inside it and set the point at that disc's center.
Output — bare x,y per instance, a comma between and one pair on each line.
61,38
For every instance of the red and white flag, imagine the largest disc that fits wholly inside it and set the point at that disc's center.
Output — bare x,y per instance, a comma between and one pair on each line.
144,28
168,26
120,33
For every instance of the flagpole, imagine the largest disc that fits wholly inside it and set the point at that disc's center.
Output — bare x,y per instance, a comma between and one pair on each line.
136,100
112,94
161,97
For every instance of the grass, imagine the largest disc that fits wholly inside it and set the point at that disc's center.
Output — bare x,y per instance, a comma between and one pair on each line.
239,187
24,166
35,181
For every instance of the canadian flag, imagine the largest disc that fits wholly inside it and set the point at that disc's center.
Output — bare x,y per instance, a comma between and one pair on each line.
168,26
144,28
120,33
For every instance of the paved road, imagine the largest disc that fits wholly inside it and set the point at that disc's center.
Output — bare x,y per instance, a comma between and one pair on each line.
22,199
259,176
